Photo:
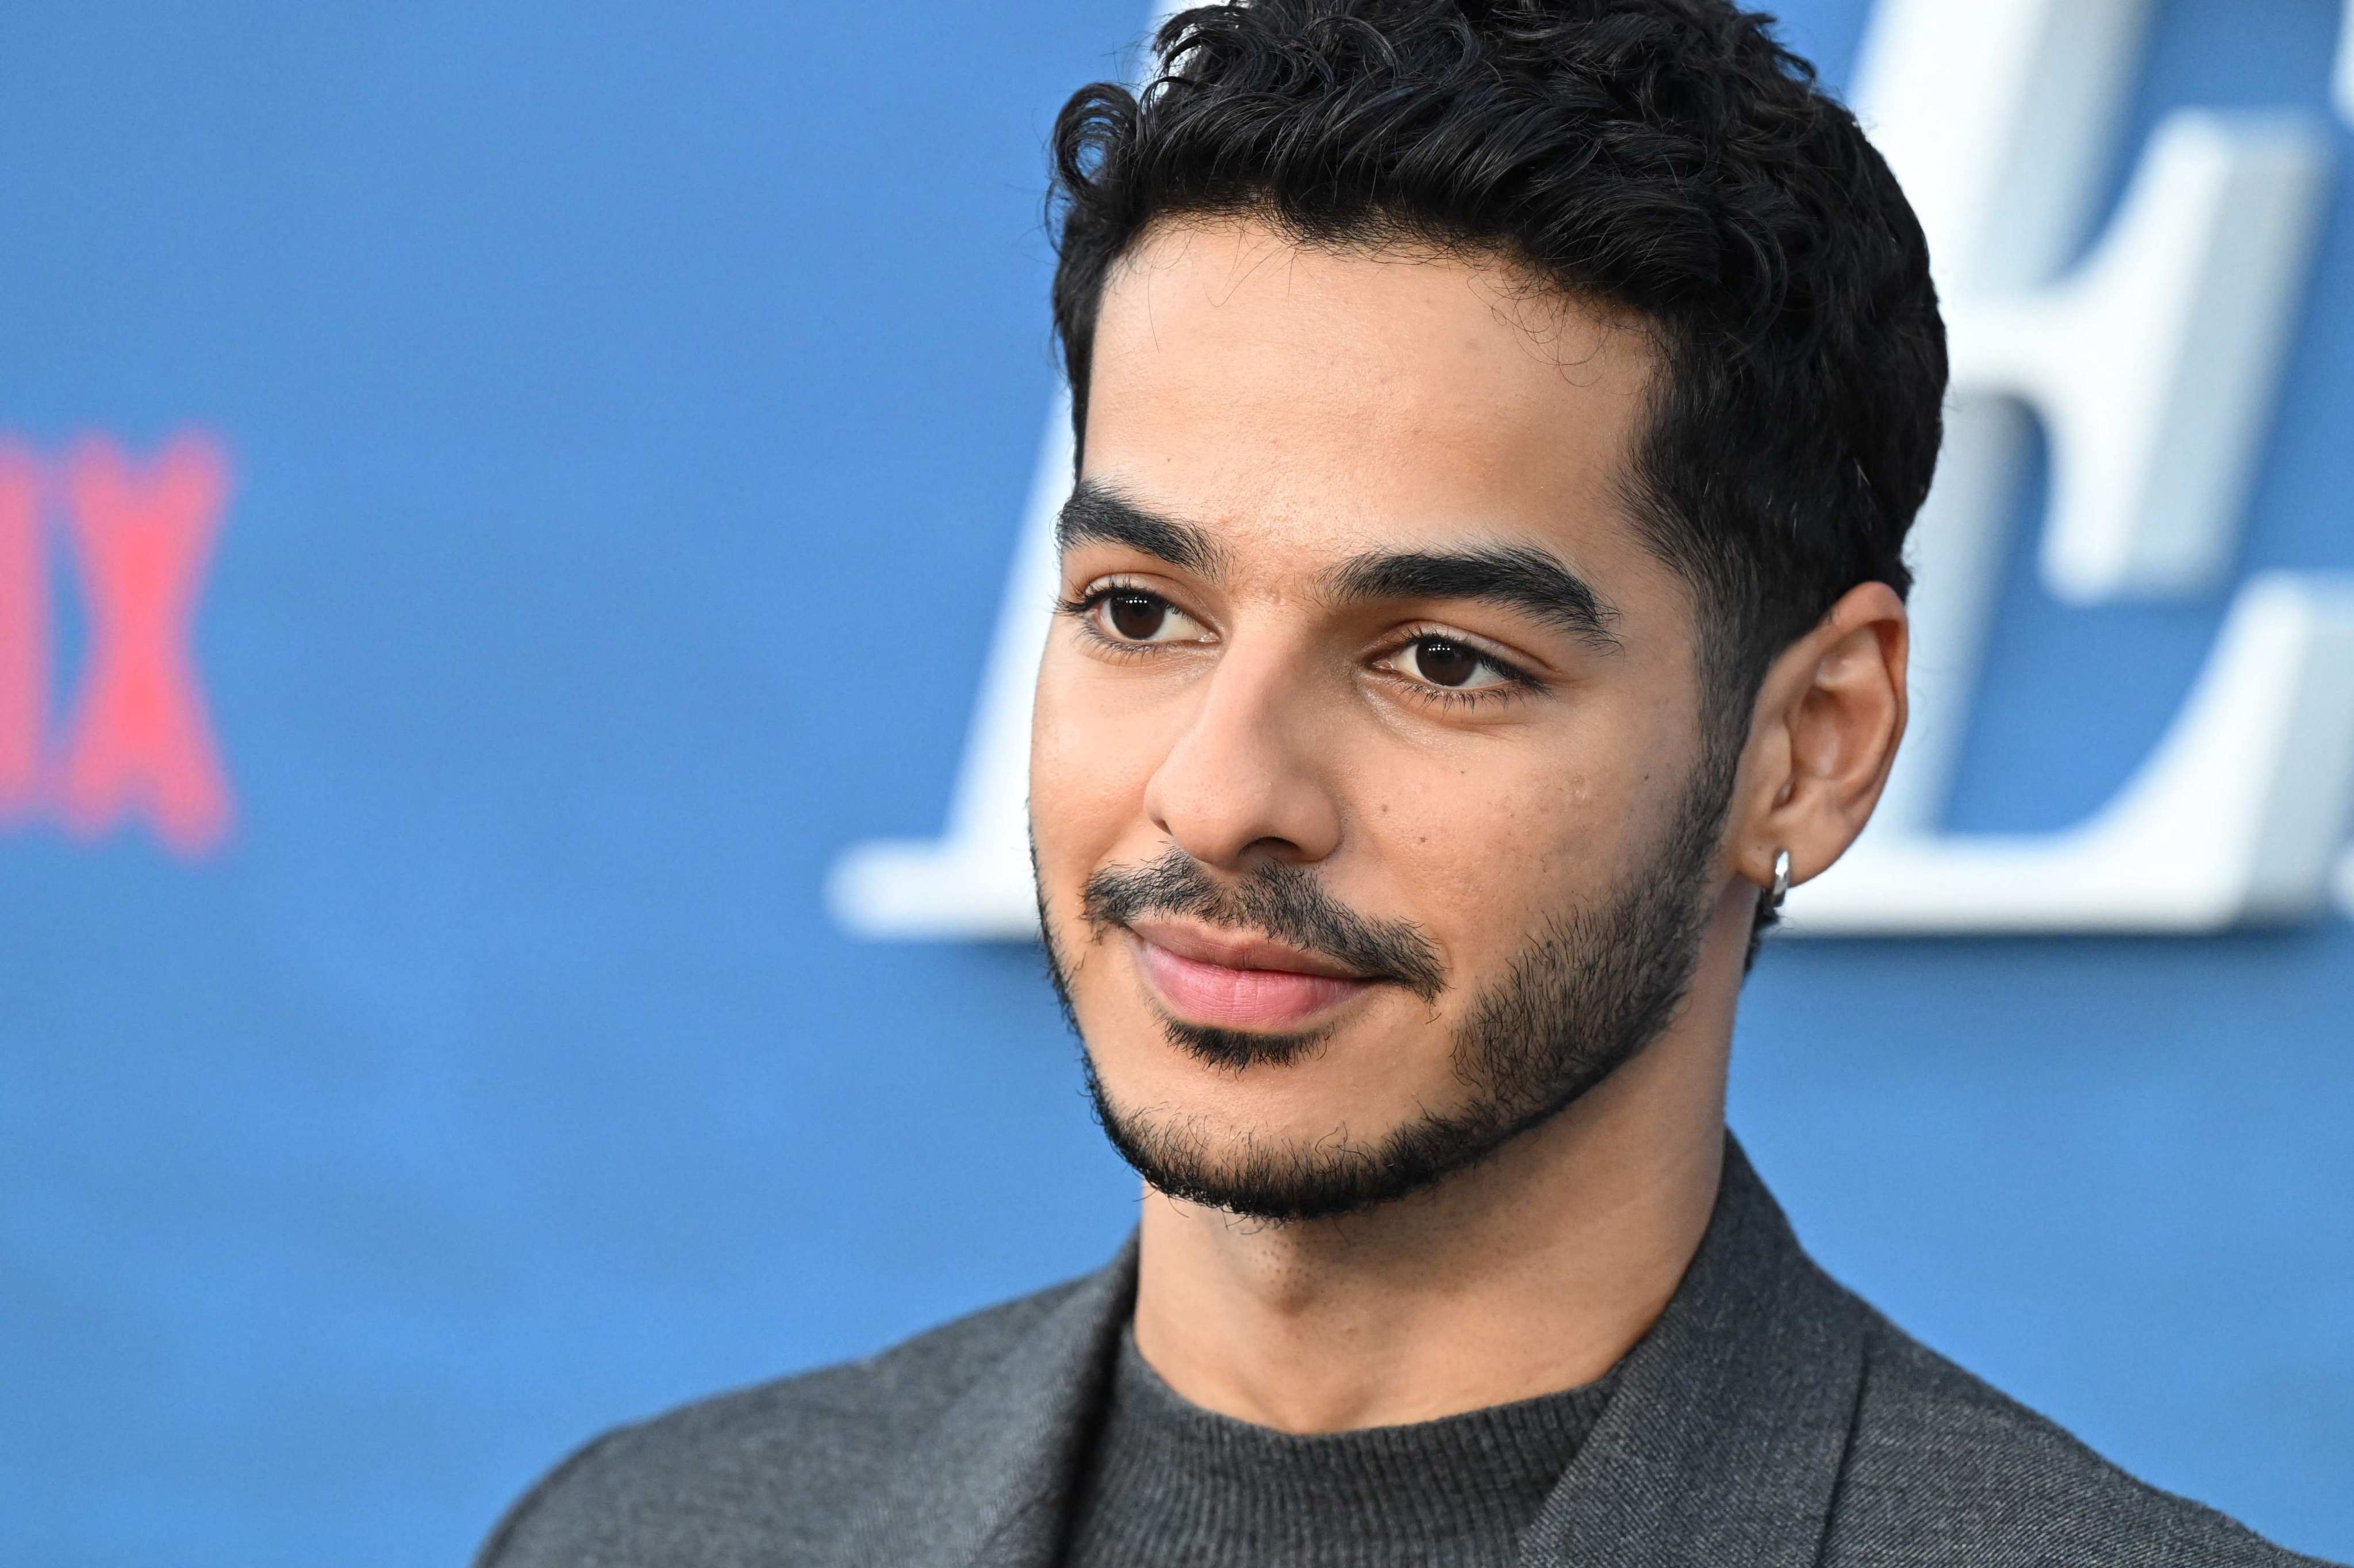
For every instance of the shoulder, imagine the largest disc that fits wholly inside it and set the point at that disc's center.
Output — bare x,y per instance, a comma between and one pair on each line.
772,1473
1942,1468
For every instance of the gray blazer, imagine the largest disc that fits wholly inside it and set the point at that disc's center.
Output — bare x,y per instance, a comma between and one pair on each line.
1770,1419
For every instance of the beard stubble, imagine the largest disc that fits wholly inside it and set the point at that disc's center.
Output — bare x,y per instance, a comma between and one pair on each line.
1587,991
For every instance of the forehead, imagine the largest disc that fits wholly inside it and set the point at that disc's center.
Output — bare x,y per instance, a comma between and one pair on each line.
1338,399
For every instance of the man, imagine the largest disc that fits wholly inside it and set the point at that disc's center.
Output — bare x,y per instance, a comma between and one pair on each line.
1499,422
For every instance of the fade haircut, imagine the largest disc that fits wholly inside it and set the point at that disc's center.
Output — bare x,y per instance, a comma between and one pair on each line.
1663,159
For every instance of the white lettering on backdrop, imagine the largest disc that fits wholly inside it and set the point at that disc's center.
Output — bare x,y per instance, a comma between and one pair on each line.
2152,362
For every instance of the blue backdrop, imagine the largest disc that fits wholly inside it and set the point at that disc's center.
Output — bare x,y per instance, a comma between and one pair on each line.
626,411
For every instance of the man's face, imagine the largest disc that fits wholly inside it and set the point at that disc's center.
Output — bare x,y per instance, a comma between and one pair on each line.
1372,814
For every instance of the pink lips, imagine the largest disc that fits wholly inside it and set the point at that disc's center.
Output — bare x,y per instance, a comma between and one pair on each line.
1200,990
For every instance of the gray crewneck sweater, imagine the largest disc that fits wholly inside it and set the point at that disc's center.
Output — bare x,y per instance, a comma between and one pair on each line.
1171,1483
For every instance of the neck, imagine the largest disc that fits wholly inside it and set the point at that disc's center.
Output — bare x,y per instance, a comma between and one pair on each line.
1534,1271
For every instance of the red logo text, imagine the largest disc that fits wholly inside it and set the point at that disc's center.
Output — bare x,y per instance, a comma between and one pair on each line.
137,741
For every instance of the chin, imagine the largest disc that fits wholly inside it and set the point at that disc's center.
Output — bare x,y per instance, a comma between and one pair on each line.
1284,1169
1346,1085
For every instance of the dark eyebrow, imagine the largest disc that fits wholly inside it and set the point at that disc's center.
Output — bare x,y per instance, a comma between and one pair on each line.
1513,576
1097,512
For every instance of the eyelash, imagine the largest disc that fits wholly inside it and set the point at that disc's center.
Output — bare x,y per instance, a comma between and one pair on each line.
1082,609
1516,683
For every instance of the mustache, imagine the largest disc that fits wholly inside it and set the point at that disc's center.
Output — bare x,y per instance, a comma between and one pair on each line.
1284,902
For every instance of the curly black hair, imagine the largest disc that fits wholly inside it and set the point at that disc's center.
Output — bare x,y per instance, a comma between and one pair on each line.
1667,158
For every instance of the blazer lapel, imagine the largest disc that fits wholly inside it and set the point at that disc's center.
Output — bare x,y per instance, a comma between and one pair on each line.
1721,1445
988,1485
1724,1441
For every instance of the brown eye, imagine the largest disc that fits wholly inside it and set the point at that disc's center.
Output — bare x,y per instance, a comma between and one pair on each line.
1136,616
1444,663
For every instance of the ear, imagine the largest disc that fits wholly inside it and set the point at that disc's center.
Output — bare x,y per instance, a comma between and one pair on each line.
1822,738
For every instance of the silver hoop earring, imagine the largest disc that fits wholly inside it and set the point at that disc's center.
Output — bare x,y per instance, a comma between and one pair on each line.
1781,881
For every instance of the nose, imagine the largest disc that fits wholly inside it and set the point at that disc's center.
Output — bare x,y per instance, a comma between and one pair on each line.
1251,775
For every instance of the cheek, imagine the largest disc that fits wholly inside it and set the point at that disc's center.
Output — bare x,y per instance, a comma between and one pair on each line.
1484,851
1089,763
